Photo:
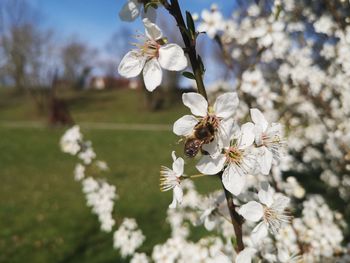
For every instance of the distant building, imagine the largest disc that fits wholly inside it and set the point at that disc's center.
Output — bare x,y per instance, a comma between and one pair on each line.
103,82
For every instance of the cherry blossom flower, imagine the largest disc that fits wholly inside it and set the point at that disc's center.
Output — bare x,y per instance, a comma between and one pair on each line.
245,256
271,210
236,160
128,237
267,139
70,141
133,8
151,56
87,154
171,179
79,172
219,116
212,22
139,258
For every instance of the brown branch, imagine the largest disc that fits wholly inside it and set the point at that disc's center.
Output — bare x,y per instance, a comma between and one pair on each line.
237,221
190,47
175,10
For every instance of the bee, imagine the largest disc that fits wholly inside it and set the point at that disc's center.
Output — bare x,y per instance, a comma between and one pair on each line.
204,133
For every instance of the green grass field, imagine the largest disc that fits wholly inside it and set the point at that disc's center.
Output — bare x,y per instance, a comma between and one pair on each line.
43,216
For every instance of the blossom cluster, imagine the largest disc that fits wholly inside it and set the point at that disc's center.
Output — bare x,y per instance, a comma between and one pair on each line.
295,71
128,238
99,195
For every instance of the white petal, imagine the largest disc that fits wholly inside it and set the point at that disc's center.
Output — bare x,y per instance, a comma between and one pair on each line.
177,197
130,11
209,224
185,125
275,129
233,181
152,74
172,57
131,64
266,195
173,155
196,103
178,166
259,232
265,160
258,118
247,135
208,165
206,15
252,211
281,202
212,148
152,30
226,104
245,256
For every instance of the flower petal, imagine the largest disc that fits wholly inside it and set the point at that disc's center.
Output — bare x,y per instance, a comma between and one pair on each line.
172,57
226,104
247,135
281,202
209,224
258,118
245,256
265,160
177,196
152,74
233,181
196,103
259,232
185,125
208,165
212,148
130,11
266,195
178,166
152,30
252,211
173,155
131,64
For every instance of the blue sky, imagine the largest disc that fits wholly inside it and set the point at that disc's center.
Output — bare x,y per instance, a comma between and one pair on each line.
94,21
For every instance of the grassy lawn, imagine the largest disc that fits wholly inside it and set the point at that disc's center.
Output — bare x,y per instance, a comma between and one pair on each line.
43,216
116,106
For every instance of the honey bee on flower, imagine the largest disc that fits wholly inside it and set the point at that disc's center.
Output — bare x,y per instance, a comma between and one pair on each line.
208,125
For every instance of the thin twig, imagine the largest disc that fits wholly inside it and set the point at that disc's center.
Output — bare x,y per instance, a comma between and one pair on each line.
175,10
190,47
237,221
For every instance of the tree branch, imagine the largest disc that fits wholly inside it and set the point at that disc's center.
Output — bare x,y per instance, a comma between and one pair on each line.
237,220
190,44
175,10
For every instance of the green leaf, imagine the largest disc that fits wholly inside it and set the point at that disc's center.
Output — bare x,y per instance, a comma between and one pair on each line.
188,75
201,65
190,24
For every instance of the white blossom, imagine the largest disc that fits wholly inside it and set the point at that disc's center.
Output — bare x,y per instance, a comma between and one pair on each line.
271,210
268,139
128,237
171,179
235,161
70,141
151,56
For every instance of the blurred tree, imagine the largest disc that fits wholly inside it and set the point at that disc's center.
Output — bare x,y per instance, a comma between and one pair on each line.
26,48
76,58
